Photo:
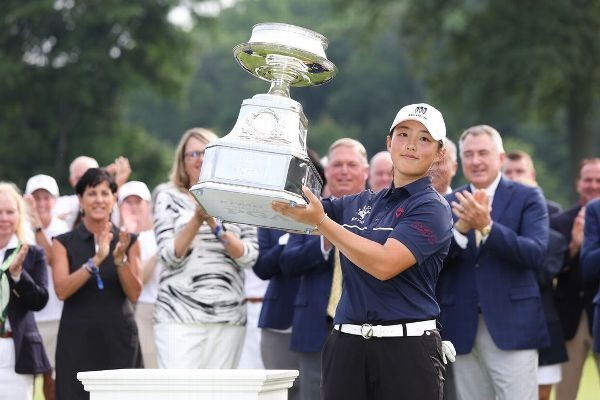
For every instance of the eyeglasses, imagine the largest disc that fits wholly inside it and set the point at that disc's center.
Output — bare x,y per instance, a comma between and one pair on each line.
194,154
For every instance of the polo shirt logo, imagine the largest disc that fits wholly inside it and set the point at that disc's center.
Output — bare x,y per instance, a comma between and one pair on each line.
424,231
399,212
362,213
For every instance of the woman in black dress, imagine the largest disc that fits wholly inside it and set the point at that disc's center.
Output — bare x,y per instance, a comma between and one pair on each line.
97,274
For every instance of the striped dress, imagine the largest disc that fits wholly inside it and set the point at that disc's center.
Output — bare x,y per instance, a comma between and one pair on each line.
206,285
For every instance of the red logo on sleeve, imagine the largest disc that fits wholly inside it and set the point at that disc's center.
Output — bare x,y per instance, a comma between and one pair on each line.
424,231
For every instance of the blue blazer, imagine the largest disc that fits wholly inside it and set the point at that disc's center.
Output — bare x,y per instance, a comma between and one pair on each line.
590,260
28,295
572,294
302,256
278,303
499,277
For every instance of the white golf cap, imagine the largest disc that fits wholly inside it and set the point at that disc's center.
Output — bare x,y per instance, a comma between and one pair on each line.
425,114
42,181
134,188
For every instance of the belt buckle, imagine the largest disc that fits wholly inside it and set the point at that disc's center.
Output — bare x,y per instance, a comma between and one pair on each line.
366,331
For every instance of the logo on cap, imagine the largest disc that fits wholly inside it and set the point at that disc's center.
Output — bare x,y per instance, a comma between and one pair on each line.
420,110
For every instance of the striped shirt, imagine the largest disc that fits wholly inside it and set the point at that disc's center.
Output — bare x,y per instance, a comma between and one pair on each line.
205,285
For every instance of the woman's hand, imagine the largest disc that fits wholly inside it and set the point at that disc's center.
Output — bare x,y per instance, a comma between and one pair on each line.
311,214
201,215
120,254
103,241
16,267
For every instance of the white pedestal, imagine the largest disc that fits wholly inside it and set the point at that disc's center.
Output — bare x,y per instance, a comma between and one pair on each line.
188,384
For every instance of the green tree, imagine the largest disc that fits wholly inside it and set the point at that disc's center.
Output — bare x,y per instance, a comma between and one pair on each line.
66,66
525,60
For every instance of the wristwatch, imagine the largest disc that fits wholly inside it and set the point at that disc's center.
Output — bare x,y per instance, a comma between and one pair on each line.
485,231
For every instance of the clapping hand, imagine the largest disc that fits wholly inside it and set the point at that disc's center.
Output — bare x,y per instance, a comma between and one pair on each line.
16,267
120,252
103,240
472,209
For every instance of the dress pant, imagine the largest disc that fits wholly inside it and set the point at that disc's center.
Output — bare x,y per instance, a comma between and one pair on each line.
13,386
578,349
198,345
251,357
143,318
276,354
490,373
49,333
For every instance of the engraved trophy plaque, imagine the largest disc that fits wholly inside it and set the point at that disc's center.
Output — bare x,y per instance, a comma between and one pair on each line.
264,157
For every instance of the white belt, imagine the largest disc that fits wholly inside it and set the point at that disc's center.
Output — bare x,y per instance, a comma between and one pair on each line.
368,331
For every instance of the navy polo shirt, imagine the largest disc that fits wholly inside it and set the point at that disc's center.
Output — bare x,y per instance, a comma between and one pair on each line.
415,215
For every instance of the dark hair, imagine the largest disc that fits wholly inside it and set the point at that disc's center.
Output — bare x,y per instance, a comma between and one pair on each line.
92,178
314,158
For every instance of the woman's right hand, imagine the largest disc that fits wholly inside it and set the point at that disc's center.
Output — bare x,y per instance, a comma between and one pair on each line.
201,215
103,241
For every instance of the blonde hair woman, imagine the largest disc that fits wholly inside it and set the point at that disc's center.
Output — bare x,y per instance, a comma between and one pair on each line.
200,312
23,289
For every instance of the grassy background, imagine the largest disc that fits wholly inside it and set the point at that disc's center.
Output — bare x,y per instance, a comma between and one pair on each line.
588,390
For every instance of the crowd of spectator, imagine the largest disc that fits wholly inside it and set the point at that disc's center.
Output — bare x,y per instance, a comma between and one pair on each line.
115,275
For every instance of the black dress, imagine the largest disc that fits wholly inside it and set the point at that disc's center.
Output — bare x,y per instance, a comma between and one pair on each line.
97,329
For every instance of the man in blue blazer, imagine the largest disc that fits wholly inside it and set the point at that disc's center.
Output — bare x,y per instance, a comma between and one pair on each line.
573,295
490,302
590,261
312,258
278,305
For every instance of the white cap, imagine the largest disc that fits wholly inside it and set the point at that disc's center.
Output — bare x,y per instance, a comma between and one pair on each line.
134,188
425,114
42,181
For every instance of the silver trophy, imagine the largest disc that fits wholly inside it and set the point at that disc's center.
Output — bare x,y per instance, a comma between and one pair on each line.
264,157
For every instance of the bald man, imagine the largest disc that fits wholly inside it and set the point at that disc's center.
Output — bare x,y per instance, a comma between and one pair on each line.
381,171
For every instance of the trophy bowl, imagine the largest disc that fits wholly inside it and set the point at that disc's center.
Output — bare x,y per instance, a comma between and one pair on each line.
264,157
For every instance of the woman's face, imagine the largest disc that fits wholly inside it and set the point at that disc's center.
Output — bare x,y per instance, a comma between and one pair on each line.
97,202
193,156
44,203
9,215
413,150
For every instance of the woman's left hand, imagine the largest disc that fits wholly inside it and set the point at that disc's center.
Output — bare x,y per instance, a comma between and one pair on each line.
311,214
119,254
16,267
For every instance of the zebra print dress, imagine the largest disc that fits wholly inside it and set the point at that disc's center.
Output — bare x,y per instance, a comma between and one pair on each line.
206,285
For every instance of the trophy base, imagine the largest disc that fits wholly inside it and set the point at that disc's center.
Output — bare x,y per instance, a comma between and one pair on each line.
247,205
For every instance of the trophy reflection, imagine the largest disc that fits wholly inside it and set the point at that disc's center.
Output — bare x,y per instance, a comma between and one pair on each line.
264,157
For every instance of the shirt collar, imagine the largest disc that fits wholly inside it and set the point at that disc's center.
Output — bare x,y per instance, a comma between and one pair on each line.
412,188
83,232
491,190
13,242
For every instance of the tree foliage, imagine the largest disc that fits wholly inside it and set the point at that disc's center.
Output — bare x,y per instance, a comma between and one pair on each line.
534,60
66,66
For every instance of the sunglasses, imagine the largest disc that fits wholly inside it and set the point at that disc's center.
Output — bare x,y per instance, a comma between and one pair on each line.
194,154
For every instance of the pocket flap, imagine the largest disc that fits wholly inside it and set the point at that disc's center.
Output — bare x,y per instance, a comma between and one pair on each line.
524,292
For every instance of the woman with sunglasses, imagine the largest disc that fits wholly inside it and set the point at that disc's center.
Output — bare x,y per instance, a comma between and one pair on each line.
200,312
97,273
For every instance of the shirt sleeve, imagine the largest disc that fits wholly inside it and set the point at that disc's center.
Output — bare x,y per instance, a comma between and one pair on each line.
249,238
165,213
425,230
